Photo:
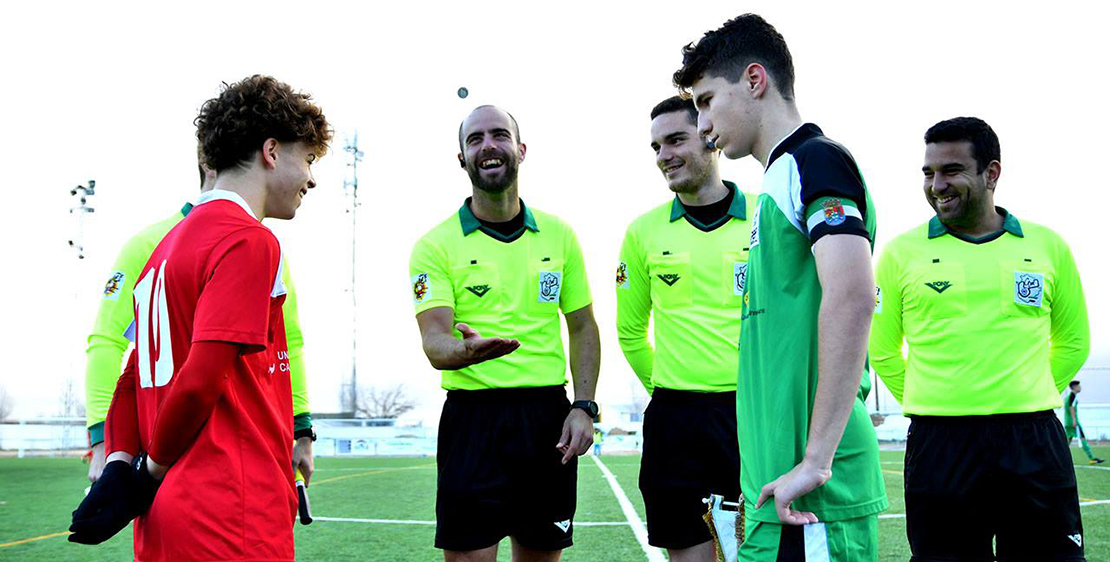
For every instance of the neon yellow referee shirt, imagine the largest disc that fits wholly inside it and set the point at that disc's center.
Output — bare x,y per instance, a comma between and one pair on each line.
503,288
996,325
691,277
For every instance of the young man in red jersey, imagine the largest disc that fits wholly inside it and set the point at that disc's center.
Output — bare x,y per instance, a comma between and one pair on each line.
205,402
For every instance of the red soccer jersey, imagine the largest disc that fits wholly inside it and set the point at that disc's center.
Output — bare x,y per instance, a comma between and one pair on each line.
230,496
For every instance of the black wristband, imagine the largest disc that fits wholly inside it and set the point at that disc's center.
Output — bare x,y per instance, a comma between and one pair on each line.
306,432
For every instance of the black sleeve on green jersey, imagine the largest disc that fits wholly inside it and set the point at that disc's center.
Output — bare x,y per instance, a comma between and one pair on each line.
1070,400
827,169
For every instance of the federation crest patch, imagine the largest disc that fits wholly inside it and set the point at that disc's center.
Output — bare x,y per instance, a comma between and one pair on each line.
834,212
739,277
551,284
114,285
622,275
1028,288
421,290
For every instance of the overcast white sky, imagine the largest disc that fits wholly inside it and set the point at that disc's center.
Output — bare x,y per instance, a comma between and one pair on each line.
110,92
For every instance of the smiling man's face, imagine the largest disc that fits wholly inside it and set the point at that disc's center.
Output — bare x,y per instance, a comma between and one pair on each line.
492,151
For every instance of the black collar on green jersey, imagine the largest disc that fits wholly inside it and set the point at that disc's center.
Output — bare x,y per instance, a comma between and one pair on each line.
185,210
470,223
804,132
1009,224
738,208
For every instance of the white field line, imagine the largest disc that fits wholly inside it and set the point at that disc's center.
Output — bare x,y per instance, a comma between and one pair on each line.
1093,467
365,468
415,522
638,529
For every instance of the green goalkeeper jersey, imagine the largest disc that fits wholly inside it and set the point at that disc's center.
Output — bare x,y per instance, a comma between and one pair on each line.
107,343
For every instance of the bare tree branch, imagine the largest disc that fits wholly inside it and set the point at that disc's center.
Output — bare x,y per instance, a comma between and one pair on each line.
383,402
7,403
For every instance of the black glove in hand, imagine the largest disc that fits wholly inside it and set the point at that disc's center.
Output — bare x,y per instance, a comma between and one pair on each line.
106,510
124,492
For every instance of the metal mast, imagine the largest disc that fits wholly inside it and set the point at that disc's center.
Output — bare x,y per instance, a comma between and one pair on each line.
350,188
82,208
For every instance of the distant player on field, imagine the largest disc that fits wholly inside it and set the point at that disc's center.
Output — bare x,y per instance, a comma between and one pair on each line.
808,450
107,342
207,394
993,313
1071,420
489,284
684,262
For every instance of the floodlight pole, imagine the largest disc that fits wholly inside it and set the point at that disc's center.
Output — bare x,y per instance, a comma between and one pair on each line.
350,187
82,208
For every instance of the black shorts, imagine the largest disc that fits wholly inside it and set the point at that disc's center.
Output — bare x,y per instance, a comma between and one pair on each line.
1006,477
499,471
690,451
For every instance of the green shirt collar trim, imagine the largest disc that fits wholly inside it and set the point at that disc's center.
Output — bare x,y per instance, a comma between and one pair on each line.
738,208
1010,224
185,210
470,223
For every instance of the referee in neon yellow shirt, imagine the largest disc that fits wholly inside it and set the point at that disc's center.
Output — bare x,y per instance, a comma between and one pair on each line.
107,344
685,262
488,285
993,313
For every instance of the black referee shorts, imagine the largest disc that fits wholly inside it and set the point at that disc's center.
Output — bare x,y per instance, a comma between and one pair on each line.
499,471
1007,478
690,451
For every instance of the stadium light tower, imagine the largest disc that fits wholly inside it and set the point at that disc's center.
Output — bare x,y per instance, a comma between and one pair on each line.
350,188
82,208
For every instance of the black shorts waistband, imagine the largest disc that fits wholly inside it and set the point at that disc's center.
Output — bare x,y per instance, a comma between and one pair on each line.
532,394
1011,418
694,397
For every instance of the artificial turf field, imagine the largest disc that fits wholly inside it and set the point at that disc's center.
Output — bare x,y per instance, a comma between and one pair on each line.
389,507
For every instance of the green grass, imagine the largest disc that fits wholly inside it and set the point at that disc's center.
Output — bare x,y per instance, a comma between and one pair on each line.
37,496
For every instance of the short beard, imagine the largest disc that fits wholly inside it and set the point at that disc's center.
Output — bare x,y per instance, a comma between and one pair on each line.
693,184
497,186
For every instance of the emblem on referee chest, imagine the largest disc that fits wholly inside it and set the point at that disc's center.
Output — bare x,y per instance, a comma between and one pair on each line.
1028,288
939,286
834,212
669,278
551,284
740,276
113,286
420,289
479,290
622,275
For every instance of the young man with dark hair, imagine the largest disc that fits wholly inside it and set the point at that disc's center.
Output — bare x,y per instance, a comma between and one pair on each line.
993,313
806,441
107,343
1072,427
508,439
685,262
205,403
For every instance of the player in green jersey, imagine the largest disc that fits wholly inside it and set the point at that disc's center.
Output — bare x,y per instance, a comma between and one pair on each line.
1071,420
809,456
107,343
992,311
509,438
684,262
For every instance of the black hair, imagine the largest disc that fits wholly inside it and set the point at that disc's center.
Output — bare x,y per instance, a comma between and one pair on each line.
984,143
675,104
727,51
1073,383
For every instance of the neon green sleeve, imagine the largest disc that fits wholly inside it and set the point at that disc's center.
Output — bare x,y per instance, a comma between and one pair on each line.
634,309
295,340
430,279
885,346
106,343
576,287
1070,340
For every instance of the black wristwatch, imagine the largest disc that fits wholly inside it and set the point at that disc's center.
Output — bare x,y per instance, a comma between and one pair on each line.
588,406
306,432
